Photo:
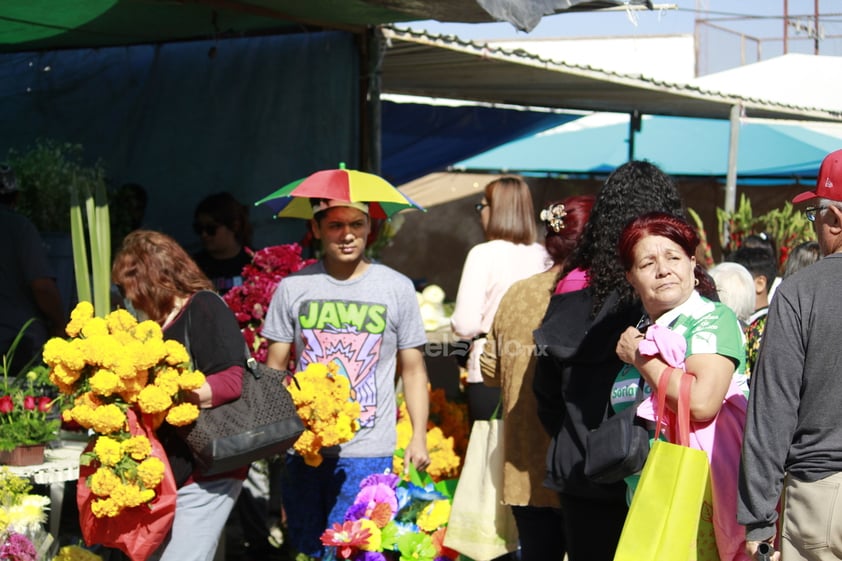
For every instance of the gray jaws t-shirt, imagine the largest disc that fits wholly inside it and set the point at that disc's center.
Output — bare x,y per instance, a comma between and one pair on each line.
359,325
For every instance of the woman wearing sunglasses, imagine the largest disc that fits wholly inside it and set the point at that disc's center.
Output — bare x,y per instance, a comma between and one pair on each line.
223,227
510,254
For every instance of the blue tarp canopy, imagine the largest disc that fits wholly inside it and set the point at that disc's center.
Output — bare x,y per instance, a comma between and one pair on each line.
420,138
680,146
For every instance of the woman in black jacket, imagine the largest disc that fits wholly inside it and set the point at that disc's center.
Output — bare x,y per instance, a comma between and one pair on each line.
577,362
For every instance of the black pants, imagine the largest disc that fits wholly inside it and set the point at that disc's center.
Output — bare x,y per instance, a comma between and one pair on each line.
540,532
592,527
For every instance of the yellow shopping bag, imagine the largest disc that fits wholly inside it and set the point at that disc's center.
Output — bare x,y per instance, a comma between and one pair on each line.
663,519
670,514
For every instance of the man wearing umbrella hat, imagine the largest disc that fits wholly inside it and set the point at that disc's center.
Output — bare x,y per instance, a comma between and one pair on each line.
364,318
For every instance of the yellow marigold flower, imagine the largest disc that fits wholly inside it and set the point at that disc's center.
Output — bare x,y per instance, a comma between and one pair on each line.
373,543
82,414
148,329
79,317
54,349
151,472
153,399
146,495
191,380
103,482
176,353
108,419
127,496
69,353
434,515
94,326
105,508
126,366
61,375
120,320
182,414
137,446
108,451
105,382
168,380
154,351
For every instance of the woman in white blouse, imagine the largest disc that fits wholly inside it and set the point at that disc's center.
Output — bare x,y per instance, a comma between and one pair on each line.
510,254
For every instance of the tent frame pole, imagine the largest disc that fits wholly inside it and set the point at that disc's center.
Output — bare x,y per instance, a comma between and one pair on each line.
733,145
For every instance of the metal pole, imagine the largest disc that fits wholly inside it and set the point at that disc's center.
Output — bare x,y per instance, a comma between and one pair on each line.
786,23
816,25
733,144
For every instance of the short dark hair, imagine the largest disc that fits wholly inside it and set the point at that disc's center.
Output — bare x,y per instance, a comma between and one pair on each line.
759,261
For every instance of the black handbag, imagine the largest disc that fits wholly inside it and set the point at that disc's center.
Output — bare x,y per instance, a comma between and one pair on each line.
619,446
261,423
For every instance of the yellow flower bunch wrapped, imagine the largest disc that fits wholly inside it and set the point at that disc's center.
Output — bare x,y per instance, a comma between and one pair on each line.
112,363
322,398
114,369
444,462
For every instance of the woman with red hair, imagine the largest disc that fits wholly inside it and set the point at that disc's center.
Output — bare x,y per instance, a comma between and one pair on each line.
701,338
160,282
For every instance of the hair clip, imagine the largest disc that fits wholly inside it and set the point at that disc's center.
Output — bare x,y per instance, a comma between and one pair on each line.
554,215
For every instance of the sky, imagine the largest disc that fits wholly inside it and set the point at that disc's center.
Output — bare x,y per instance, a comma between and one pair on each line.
753,29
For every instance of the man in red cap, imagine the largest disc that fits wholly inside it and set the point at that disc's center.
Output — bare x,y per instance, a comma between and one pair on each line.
793,436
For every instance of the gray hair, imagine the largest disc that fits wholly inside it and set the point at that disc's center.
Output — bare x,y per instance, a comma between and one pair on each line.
735,287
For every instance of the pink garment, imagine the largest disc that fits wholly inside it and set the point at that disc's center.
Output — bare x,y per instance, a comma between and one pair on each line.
577,279
720,438
489,270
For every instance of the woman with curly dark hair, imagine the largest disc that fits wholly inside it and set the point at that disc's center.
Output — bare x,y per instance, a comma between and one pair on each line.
577,362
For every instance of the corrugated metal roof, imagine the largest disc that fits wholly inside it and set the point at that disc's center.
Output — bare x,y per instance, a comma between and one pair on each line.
418,63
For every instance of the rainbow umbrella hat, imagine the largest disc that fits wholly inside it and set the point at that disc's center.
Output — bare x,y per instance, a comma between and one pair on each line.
293,200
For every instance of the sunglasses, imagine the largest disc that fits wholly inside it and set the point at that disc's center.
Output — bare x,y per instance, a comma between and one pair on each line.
209,229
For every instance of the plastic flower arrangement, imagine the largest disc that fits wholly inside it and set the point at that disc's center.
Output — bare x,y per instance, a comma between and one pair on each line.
322,398
250,301
444,462
114,369
22,518
395,520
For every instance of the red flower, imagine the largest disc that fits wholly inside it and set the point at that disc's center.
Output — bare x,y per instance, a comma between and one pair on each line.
44,404
347,537
6,404
29,402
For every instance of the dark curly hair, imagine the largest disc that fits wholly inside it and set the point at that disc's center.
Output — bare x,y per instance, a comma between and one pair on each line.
633,189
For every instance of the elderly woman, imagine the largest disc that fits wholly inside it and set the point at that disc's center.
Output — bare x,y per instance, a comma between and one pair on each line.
657,252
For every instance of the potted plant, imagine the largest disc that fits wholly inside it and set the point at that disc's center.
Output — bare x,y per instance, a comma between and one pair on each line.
26,420
48,173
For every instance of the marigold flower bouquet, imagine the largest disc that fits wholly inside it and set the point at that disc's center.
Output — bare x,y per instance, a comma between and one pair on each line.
122,379
393,519
445,463
250,300
322,398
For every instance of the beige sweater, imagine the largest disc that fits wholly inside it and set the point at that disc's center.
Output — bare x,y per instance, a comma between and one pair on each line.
508,361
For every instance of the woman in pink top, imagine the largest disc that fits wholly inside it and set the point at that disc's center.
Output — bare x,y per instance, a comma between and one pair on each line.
509,255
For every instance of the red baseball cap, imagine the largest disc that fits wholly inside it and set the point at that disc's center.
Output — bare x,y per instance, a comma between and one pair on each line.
829,181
